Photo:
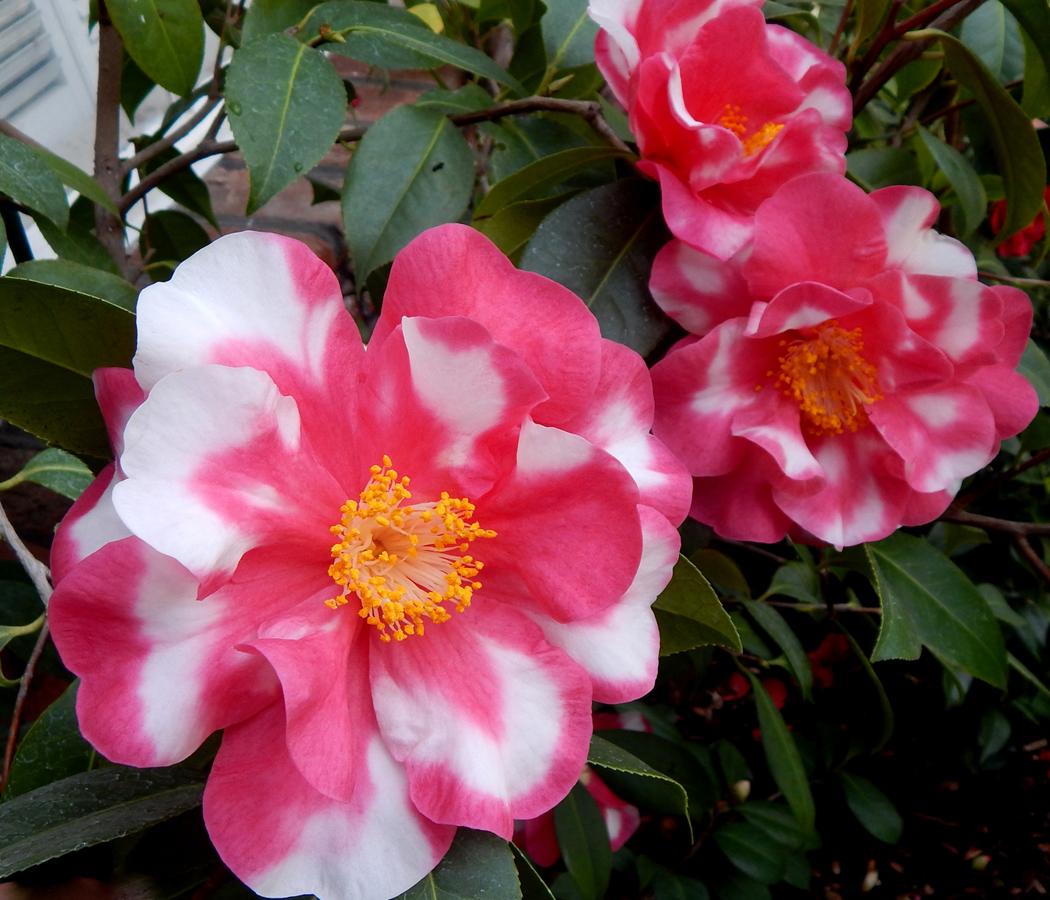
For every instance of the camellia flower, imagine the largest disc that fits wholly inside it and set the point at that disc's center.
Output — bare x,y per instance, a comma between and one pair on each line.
865,374
539,838
397,577
1021,242
725,108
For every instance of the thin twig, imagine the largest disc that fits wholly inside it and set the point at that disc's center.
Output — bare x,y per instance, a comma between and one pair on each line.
109,228
960,516
38,573
1010,279
979,490
905,53
170,140
847,8
20,700
1028,551
826,607
12,132
586,109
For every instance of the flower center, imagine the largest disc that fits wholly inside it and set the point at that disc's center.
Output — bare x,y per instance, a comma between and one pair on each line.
405,563
734,120
829,378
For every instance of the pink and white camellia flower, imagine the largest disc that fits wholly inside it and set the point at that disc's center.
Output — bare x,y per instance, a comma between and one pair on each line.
397,577
865,373
725,108
539,837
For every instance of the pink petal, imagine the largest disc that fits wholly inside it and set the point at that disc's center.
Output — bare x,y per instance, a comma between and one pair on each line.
739,504
118,395
943,434
821,78
91,522
1010,397
216,464
539,839
453,270
565,522
619,647
804,305
1017,324
159,668
621,818
618,421
281,837
490,721
445,402
908,214
838,241
259,300
773,423
696,289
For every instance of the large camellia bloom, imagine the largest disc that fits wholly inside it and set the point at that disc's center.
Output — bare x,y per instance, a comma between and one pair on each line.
725,108
397,577
865,374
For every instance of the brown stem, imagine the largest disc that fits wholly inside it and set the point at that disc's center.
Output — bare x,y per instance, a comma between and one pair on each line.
903,54
840,28
1028,551
1010,279
109,229
960,516
20,700
12,132
588,110
170,140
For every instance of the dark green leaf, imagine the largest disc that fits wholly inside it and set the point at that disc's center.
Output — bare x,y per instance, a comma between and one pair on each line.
1011,134
999,607
73,276
164,37
1036,368
52,748
601,246
608,756
265,17
10,633
777,821
991,33
412,170
568,34
886,717
785,763
879,167
90,808
78,242
927,600
994,733
961,175
752,851
54,469
370,31
542,175
286,105
135,86
1034,18
186,187
584,842
322,193
774,624
533,887
690,614
168,237
870,14
1035,100
511,228
3,241
872,808
478,864
53,403
27,179
66,328
740,887
76,178
796,580
469,98
518,142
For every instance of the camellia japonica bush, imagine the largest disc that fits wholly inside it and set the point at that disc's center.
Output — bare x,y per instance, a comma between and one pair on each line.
643,495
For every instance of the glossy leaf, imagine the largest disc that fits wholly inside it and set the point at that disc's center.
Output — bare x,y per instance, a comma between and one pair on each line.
584,842
870,14
51,749
752,851
973,202
777,821
164,37
517,142
78,242
56,470
607,756
568,34
286,105
478,864
873,808
887,717
1036,368
76,178
10,633
186,188
992,34
690,614
533,887
1010,132
927,600
90,808
601,246
785,763
541,176
412,170
54,403
27,179
796,580
82,279
369,31
513,226
265,17
168,237
774,624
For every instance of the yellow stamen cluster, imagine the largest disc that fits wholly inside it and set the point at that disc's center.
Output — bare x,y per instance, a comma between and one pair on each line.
404,563
734,119
826,374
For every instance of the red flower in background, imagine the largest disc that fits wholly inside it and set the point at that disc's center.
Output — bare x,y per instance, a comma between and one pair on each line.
1020,243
